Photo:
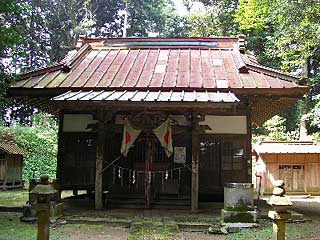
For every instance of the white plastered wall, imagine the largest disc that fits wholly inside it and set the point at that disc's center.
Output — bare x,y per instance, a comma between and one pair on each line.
226,124
77,122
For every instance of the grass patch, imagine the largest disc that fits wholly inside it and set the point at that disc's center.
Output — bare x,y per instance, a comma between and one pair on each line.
12,229
16,197
19,197
149,230
263,232
294,231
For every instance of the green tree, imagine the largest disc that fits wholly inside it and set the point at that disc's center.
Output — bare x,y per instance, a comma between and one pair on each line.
287,31
285,34
274,129
51,27
9,39
217,20
39,140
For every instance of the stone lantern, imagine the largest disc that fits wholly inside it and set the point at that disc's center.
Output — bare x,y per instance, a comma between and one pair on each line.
279,214
43,193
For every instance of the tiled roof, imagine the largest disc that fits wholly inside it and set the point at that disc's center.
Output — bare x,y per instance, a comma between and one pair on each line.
11,148
148,96
270,147
159,64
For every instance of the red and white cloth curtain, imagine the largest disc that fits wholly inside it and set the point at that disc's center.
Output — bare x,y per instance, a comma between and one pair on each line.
163,133
130,134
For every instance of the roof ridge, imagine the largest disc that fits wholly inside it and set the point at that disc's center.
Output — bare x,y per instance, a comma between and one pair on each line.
91,39
12,148
65,64
252,64
75,57
39,71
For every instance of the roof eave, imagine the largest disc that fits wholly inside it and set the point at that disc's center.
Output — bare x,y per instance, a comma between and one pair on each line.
296,91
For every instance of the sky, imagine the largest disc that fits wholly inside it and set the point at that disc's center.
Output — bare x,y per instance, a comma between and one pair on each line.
180,7
182,10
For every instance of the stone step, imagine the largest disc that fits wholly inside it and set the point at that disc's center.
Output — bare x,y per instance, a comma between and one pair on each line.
138,201
10,208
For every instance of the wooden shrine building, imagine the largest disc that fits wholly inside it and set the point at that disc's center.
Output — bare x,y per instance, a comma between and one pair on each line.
11,165
297,163
208,90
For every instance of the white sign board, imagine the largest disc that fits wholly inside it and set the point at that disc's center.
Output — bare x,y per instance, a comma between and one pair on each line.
180,155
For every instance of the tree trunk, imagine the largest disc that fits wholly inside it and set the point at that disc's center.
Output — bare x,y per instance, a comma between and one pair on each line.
304,108
125,24
303,135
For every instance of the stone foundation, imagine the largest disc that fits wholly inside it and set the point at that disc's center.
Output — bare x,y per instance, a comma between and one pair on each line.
29,214
239,216
238,204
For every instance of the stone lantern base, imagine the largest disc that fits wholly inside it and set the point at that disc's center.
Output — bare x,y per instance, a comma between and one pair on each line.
29,214
238,204
250,216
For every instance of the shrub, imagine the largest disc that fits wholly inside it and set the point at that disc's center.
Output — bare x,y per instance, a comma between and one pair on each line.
40,143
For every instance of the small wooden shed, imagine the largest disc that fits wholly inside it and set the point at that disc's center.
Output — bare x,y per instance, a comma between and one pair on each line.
295,162
11,163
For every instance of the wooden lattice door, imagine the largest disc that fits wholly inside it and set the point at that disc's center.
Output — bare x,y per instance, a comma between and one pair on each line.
221,161
210,166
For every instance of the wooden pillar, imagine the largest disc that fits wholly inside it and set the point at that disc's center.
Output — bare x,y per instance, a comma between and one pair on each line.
4,186
60,154
248,155
195,164
101,138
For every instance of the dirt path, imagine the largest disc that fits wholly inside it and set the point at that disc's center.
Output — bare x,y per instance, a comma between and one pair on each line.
200,236
106,233
113,233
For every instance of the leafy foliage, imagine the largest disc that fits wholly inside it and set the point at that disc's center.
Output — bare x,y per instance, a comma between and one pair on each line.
40,142
9,38
274,129
289,30
218,20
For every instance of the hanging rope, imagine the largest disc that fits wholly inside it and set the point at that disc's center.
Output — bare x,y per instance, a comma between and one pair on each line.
110,164
166,171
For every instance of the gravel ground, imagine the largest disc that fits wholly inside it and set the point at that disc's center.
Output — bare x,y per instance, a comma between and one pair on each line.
310,206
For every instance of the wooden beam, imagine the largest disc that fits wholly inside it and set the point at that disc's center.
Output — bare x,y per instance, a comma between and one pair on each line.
147,105
195,163
239,110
